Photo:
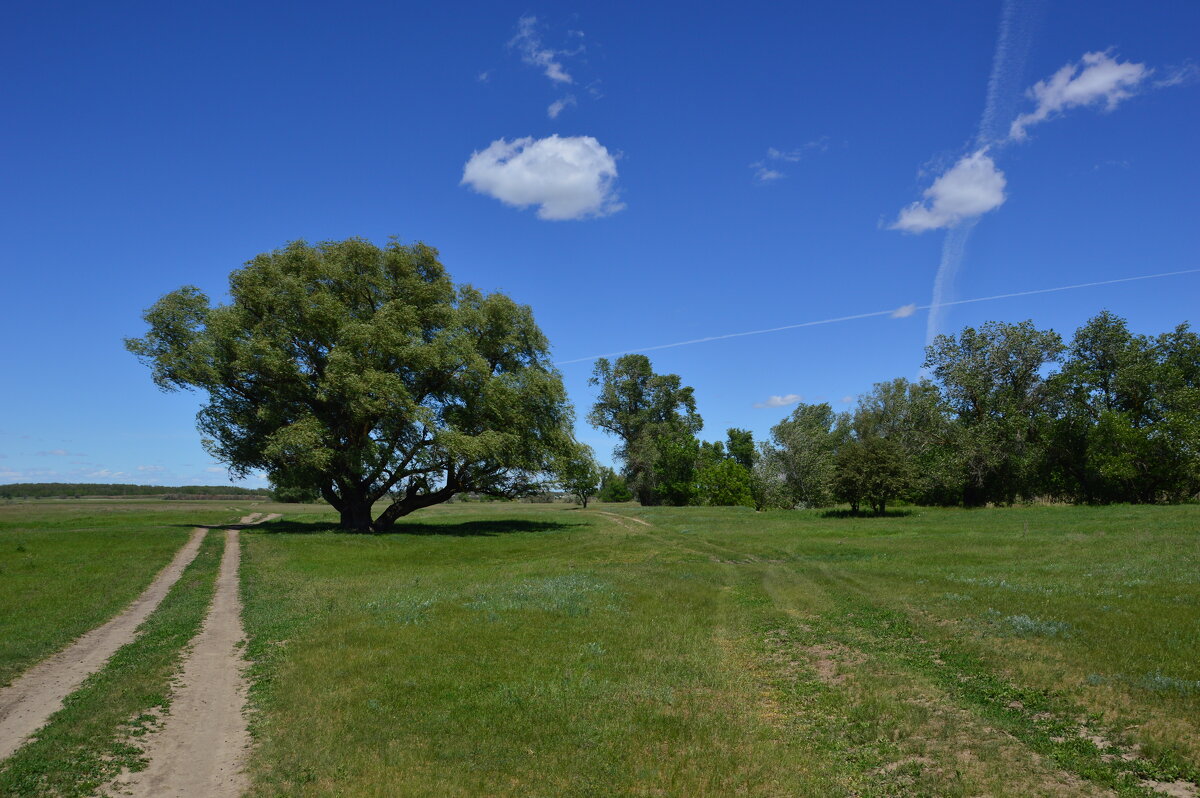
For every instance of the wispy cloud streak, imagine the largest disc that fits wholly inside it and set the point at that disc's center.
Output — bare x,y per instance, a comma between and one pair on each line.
877,313
1018,22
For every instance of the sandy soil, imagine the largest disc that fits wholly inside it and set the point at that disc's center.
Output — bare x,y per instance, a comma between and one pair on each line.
200,749
28,702
622,518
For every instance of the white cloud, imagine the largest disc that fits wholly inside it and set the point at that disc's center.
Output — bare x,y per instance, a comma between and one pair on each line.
847,399
764,173
781,401
970,188
484,76
529,43
768,169
104,473
53,453
151,469
1096,78
904,311
566,177
557,106
215,469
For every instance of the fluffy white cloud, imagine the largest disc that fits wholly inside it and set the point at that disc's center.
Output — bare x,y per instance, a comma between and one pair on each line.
566,177
529,44
904,311
781,401
557,106
970,188
1097,78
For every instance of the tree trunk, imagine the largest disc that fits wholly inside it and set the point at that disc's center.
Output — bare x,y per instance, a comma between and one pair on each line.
356,515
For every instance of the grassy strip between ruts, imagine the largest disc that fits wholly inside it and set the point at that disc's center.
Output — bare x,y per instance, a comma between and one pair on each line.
92,738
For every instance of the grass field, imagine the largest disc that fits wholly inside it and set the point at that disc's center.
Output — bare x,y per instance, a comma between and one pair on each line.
543,650
540,650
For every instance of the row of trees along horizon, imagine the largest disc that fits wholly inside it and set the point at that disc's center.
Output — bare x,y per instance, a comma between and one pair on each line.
1011,414
360,373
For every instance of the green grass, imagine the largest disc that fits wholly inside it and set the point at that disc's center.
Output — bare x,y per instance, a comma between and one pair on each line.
94,735
540,650
68,566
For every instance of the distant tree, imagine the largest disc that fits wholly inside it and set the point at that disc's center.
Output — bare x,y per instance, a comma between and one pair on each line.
804,445
363,373
913,415
739,444
725,483
1126,413
874,471
665,457
639,406
613,487
992,380
579,474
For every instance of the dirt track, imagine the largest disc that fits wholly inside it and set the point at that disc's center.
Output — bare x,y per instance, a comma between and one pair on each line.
28,702
200,749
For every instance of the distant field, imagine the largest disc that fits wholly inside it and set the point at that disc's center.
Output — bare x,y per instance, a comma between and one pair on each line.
540,650
543,650
68,566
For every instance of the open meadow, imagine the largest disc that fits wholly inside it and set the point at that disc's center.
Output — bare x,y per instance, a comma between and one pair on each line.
545,650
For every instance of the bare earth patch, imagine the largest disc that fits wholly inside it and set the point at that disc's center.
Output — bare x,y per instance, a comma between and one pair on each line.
1176,789
27,703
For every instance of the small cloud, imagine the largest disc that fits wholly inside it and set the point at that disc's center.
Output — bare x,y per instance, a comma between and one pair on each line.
768,169
904,311
484,76
780,401
1111,164
847,399
215,470
1097,78
53,453
1178,76
557,106
151,469
764,173
970,188
105,473
528,42
566,177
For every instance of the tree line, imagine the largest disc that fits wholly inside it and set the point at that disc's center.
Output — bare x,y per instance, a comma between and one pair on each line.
64,490
1008,413
362,374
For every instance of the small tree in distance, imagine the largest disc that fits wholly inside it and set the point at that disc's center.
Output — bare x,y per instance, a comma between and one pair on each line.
579,474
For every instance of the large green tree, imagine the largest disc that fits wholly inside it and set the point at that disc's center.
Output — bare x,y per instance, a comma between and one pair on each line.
364,372
655,417
993,381
802,454
1126,415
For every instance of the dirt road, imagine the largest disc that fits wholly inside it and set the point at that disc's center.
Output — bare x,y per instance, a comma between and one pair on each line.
28,702
200,749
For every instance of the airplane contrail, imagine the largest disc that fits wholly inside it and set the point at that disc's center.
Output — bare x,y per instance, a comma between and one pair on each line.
888,312
1017,22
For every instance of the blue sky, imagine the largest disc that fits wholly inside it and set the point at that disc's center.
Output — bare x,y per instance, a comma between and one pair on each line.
639,173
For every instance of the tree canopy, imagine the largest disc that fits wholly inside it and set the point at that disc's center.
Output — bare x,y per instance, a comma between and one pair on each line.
364,372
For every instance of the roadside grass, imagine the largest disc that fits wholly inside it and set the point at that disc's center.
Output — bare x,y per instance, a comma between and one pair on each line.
94,736
68,566
540,650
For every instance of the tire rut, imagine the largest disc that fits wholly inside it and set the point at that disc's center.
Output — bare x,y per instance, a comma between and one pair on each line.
201,747
27,703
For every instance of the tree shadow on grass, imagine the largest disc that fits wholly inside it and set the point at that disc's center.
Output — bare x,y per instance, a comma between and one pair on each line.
866,514
462,529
